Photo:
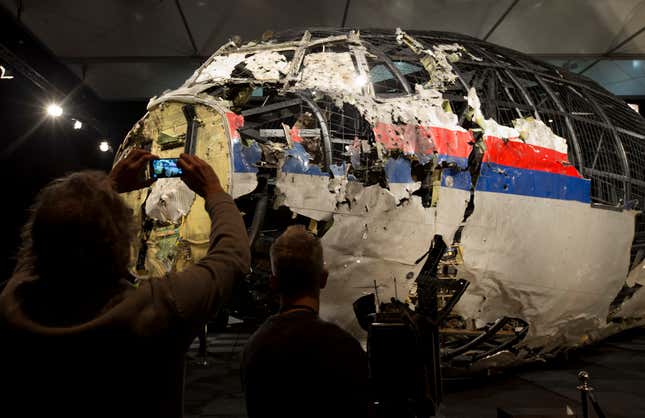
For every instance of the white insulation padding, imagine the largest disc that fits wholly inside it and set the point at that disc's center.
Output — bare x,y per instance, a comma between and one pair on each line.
264,65
535,132
221,66
490,126
330,71
169,200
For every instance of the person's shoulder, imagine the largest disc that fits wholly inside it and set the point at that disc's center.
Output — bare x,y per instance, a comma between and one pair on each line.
262,332
337,333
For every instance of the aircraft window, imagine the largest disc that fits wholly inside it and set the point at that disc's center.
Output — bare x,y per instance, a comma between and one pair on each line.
414,73
383,80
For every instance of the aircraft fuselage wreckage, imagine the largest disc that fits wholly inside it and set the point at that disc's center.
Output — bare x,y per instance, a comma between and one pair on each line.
533,178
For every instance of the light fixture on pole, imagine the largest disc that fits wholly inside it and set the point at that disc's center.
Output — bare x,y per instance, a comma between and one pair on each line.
78,124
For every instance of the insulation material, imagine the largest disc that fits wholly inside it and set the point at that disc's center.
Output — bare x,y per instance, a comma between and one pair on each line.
220,67
424,108
436,60
330,71
437,63
490,126
535,132
516,269
169,200
267,65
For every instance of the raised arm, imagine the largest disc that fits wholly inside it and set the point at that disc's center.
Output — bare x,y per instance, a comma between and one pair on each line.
202,288
199,291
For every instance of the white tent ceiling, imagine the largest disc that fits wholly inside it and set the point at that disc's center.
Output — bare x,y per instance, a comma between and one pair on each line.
133,49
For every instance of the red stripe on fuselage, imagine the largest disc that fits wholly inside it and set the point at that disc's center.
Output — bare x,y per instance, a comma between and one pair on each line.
412,139
531,157
235,122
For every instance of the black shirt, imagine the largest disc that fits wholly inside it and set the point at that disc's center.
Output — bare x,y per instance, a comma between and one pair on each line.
297,365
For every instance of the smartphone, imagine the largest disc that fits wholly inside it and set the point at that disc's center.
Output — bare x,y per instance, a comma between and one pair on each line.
164,167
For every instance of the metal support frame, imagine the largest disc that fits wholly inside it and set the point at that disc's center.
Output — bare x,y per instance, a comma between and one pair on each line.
567,120
501,19
323,128
619,145
612,50
524,93
186,26
342,23
383,57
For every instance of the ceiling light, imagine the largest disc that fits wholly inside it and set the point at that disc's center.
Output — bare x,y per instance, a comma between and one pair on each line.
78,124
104,146
54,110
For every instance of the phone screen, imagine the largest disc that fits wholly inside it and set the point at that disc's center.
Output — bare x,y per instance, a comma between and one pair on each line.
164,167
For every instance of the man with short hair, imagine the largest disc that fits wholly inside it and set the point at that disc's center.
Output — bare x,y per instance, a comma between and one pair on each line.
76,337
296,364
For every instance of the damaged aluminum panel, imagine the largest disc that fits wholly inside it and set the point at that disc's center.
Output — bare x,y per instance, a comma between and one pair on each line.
378,141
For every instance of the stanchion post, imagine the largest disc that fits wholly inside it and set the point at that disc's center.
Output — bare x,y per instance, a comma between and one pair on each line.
584,389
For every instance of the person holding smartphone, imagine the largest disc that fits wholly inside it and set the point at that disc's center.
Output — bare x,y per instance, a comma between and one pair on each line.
77,337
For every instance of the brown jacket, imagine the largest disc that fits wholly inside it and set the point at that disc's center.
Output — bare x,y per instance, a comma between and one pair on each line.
127,357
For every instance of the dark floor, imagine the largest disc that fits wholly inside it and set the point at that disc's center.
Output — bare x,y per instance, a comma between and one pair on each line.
616,367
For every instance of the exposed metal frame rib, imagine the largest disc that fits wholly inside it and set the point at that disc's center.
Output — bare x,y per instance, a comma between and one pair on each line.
271,107
567,120
517,338
484,336
619,144
323,128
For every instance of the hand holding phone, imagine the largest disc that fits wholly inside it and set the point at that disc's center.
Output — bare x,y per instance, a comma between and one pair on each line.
128,173
164,168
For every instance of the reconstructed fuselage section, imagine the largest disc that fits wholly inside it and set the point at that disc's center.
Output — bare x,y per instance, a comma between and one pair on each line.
380,140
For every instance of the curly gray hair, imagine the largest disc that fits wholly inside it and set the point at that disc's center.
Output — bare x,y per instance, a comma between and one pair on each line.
78,227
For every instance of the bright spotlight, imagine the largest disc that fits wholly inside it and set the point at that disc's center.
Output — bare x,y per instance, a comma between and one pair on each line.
104,146
360,80
54,110
78,124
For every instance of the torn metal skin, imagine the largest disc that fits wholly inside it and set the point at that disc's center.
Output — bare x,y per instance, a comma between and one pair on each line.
299,132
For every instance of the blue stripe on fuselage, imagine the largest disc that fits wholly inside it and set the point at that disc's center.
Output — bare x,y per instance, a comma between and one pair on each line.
503,179
493,177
